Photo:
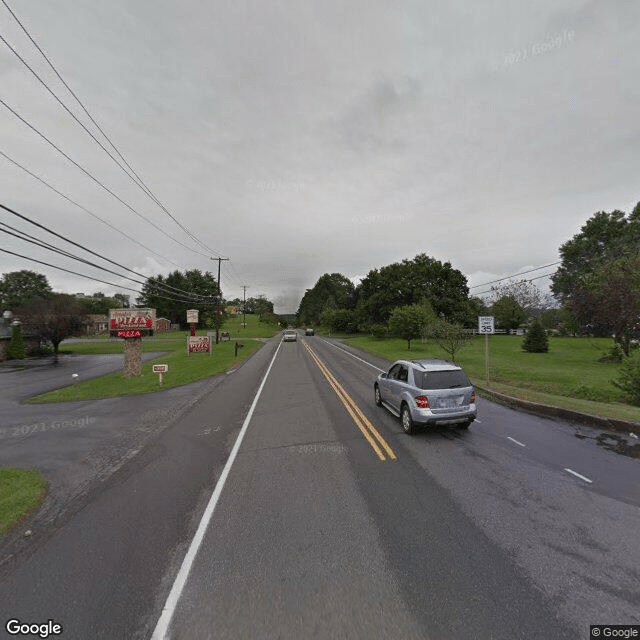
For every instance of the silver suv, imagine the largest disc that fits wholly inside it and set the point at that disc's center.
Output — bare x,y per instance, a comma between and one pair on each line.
427,392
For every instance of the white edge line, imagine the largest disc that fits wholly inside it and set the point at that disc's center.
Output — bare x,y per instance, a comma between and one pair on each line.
518,443
162,627
351,354
577,475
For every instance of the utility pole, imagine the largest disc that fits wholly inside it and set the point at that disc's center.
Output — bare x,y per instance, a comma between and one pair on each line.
244,305
219,299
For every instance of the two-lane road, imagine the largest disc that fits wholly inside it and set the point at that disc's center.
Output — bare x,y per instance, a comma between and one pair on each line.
285,504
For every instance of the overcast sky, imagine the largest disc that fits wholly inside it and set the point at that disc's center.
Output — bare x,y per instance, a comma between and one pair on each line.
300,138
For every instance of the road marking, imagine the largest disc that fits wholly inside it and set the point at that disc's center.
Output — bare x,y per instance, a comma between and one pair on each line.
162,627
512,440
362,422
351,354
577,475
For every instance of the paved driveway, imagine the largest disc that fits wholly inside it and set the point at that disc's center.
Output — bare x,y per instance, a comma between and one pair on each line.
75,444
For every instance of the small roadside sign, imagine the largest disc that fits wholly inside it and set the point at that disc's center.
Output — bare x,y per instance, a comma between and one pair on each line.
486,324
160,369
192,316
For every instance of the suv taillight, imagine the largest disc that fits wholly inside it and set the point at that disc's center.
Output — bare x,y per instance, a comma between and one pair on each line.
422,402
473,396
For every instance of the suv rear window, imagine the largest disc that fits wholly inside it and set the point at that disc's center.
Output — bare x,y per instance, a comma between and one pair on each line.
441,379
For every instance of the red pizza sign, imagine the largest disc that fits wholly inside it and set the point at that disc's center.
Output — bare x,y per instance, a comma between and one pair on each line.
123,323
199,344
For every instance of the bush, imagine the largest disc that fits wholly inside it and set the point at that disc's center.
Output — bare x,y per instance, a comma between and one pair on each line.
536,340
614,354
629,379
379,330
15,348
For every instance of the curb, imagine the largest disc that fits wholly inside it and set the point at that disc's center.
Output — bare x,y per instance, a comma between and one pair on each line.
547,411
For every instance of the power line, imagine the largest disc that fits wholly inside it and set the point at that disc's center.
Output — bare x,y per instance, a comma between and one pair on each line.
138,180
546,275
126,204
552,264
84,248
162,287
93,215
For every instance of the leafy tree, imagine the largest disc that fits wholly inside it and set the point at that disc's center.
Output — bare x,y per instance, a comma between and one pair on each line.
536,340
173,304
525,293
508,312
15,348
18,288
609,300
629,379
98,303
409,282
603,238
340,320
409,322
449,337
331,291
54,318
122,301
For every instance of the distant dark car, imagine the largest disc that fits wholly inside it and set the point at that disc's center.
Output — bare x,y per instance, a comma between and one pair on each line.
427,392
308,331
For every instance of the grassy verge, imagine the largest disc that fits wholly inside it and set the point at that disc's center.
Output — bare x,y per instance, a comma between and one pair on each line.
183,369
21,492
568,376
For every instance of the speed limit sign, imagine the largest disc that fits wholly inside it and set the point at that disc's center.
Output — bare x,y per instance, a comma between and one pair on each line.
486,324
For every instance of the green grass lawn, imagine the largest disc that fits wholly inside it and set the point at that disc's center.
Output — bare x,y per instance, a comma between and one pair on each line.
569,375
183,369
21,492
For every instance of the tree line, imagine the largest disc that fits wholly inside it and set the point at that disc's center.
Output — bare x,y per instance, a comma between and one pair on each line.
596,291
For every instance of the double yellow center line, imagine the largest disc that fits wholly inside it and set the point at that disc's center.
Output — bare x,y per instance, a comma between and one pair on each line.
368,430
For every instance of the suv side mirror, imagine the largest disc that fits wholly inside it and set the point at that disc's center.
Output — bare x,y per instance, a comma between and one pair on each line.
383,375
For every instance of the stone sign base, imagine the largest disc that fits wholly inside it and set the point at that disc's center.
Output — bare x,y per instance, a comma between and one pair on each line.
132,357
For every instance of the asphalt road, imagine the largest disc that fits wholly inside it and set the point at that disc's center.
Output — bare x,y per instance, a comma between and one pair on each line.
315,532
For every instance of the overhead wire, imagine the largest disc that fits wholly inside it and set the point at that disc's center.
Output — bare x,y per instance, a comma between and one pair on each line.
92,177
551,264
91,213
151,282
135,177
84,248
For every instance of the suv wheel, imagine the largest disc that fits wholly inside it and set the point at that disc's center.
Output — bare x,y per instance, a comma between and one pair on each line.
408,425
378,396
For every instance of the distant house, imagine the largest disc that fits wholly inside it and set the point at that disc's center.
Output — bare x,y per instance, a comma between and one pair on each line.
31,340
233,311
163,325
97,323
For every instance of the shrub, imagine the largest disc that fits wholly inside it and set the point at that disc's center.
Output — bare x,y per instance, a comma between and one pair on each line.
614,354
379,330
629,379
15,348
536,340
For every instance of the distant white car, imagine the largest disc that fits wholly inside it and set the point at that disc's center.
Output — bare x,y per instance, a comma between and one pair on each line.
290,336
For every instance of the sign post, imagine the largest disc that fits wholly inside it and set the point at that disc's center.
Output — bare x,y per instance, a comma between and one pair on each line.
192,319
160,369
486,325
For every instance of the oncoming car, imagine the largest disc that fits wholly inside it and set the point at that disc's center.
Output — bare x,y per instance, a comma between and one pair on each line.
427,393
309,331
290,336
